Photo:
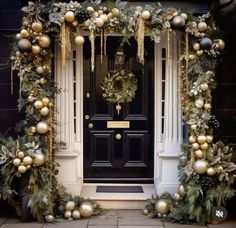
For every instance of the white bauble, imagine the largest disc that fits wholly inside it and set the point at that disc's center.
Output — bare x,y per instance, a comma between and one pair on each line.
145,14
16,161
99,22
70,205
199,103
79,40
27,160
76,214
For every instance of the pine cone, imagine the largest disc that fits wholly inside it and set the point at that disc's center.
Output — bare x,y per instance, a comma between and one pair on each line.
82,16
213,122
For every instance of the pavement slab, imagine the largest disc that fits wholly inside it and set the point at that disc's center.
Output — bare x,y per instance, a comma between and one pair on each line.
177,225
83,223
136,218
107,218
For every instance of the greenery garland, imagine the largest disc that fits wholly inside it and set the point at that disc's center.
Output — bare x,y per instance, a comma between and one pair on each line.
202,162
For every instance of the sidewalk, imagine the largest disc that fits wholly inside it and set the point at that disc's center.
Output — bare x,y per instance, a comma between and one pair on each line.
109,219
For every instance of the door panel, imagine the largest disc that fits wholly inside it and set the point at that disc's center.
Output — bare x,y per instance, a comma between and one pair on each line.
107,156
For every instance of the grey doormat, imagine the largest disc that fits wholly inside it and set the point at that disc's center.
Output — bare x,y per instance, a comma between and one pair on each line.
119,189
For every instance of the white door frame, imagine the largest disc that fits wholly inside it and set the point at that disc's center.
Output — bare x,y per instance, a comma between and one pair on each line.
69,152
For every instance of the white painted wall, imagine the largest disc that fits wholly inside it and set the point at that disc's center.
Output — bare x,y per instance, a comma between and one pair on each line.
166,146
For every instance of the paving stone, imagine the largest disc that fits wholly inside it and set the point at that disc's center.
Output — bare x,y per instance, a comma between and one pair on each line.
102,226
2,220
156,226
176,225
136,218
107,218
67,224
227,224
22,225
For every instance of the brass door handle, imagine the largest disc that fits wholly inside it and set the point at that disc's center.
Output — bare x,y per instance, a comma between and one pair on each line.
90,125
118,136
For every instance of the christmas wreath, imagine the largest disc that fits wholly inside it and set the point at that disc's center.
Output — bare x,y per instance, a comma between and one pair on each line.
119,86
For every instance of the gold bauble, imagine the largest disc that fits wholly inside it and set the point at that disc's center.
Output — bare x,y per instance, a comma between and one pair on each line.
220,43
79,40
204,146
90,9
36,49
38,159
44,41
204,86
44,111
69,16
145,14
40,69
24,33
211,171
42,127
18,36
184,15
196,46
31,98
27,160
21,154
209,138
24,45
42,81
99,22
202,26
207,106
199,53
182,190
191,56
86,209
199,103
16,161
28,167
37,26
38,104
76,214
195,146
162,206
192,139
18,54
67,214
200,166
104,17
145,211
115,12
49,218
22,169
201,139
70,205
110,15
75,23
45,101
176,197
199,154
87,23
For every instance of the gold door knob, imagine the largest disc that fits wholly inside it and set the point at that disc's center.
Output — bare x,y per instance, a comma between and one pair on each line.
90,125
118,136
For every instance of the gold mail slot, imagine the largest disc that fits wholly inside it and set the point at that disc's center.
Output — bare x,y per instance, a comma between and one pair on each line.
118,124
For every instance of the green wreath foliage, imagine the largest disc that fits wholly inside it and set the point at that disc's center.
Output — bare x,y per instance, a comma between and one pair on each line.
119,86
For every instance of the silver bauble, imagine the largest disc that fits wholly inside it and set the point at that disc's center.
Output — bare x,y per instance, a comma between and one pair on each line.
70,205
162,206
38,159
86,209
24,45
182,190
44,41
200,166
205,43
49,218
76,214
178,22
42,127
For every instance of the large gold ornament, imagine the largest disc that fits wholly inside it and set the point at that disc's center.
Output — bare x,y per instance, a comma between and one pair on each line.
22,169
162,206
27,160
200,166
69,16
16,162
38,104
45,101
37,26
86,209
44,41
182,190
79,40
211,171
42,127
44,111
38,159
70,205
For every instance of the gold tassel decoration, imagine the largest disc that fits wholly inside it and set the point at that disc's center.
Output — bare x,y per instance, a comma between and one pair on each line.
140,39
101,45
92,41
65,42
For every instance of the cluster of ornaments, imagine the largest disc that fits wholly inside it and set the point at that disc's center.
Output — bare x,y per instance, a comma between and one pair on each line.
72,211
24,162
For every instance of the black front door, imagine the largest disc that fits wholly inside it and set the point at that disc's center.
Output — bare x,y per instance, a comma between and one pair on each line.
116,154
